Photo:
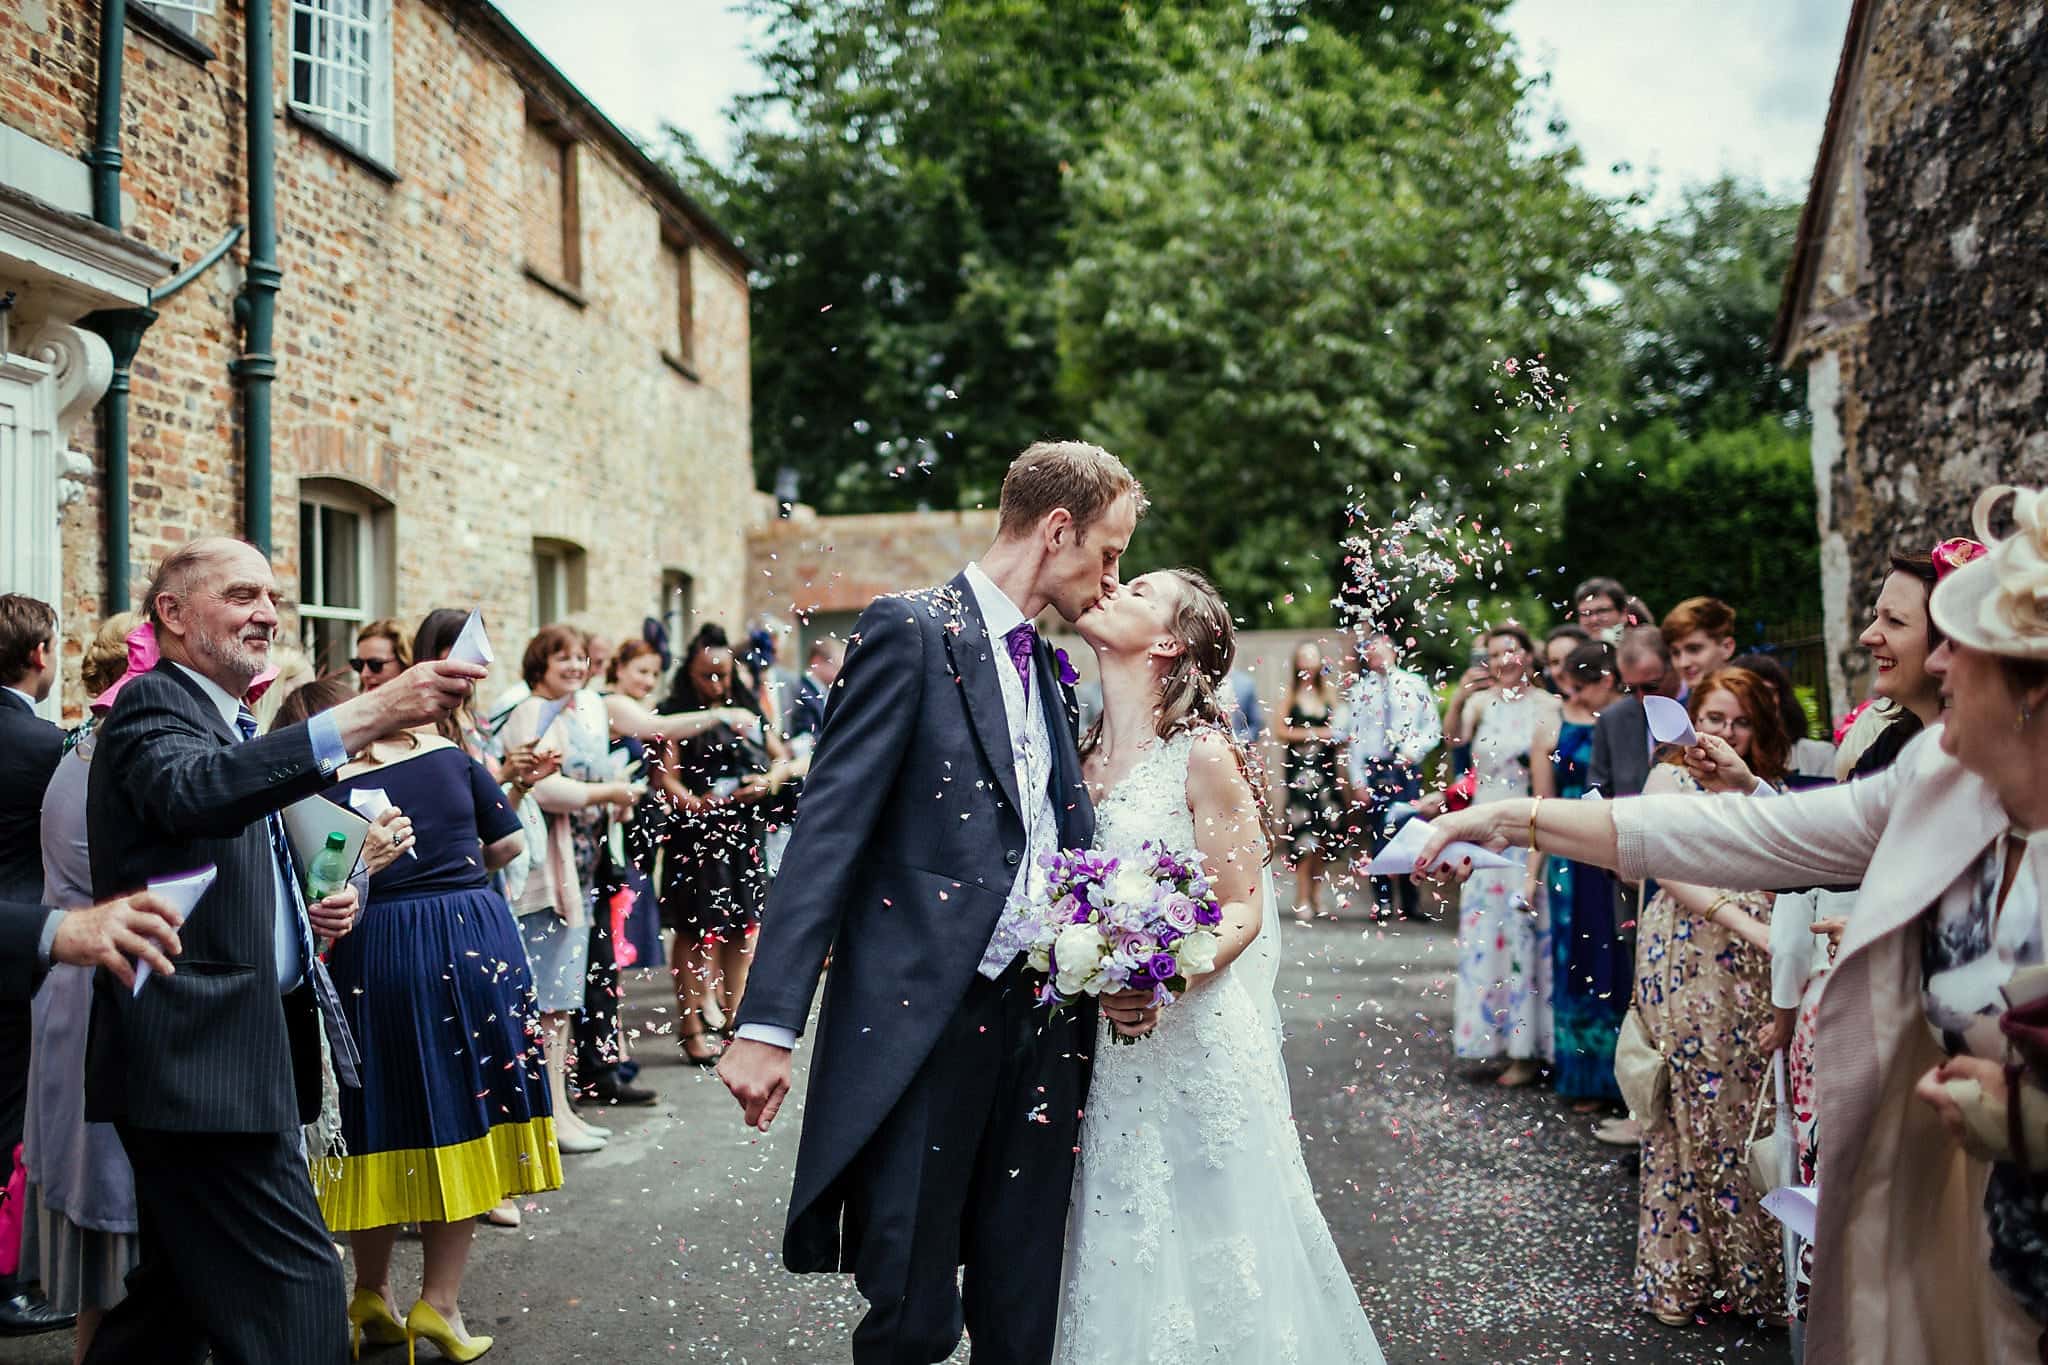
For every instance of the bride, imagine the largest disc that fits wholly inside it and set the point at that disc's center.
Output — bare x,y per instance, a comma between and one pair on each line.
1193,1232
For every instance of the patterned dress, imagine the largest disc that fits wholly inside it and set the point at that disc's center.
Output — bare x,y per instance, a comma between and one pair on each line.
1315,802
1504,957
1592,973
1703,1240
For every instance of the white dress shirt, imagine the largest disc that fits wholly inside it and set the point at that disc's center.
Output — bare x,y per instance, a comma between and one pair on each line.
1393,717
1031,751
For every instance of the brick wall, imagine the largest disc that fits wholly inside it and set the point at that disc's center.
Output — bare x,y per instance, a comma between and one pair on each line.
418,363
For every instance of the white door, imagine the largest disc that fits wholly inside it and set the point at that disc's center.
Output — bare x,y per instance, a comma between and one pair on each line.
31,558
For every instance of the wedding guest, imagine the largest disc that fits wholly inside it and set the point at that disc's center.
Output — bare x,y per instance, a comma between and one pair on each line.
1557,648
29,750
1503,1006
1700,633
1901,637
1600,606
1621,739
771,642
78,1215
381,654
207,1077
1392,728
1811,762
1591,971
554,905
1247,721
1923,1186
715,874
1472,686
821,670
1702,992
1309,726
453,1113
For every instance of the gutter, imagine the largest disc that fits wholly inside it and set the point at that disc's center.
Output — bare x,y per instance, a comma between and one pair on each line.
256,306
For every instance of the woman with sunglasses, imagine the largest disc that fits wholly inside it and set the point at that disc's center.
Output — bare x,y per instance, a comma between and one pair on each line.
381,654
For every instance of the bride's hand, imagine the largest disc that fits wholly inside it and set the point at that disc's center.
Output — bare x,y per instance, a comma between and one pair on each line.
1131,1013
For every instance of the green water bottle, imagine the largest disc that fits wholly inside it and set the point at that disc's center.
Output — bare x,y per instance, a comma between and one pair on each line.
330,868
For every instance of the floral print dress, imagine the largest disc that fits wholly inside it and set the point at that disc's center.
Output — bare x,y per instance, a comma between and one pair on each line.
1703,1239
1503,1004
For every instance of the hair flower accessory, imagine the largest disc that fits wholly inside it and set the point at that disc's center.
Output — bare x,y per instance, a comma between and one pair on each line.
142,657
1955,552
1998,601
1068,676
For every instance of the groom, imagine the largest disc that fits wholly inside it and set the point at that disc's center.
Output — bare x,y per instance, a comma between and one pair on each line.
944,1104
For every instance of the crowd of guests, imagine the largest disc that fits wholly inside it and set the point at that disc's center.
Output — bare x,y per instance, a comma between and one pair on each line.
450,1028
1779,958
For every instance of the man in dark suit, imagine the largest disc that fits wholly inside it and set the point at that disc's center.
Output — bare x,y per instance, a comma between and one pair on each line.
821,670
208,1074
1621,737
29,749
944,1104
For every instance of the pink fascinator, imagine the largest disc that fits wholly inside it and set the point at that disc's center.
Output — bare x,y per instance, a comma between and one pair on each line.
1952,554
142,656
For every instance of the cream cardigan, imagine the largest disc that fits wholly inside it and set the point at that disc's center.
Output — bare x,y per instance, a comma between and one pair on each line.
1901,1259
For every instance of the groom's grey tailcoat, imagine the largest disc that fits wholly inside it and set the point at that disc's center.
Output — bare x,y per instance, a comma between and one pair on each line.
907,843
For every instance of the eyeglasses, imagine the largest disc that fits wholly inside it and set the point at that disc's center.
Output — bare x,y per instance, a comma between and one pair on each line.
371,665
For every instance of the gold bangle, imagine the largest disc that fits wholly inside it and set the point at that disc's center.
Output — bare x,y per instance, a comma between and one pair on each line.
1534,806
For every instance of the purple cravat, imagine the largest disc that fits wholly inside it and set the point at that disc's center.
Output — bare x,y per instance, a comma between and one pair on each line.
1021,639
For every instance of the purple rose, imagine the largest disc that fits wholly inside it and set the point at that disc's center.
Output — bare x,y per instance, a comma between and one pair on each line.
1068,677
1164,968
1168,936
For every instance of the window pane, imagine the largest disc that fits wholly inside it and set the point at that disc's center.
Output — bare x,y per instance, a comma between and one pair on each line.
309,552
328,643
341,565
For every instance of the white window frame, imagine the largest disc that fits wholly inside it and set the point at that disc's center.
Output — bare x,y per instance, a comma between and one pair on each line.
372,557
347,70
560,569
182,15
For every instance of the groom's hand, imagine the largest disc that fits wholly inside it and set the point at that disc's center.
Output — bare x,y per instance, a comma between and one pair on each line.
757,1073
1131,1013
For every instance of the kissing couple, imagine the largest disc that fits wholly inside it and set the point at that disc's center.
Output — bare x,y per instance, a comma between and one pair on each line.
1108,1204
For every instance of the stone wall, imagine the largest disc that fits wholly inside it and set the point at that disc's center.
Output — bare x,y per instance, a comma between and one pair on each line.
420,367
1923,325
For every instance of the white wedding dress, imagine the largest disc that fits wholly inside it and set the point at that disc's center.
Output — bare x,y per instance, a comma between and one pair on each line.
1193,1232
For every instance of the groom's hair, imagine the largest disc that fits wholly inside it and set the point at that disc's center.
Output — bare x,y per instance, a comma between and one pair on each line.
1085,479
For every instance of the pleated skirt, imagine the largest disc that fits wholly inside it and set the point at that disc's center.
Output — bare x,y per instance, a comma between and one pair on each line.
453,1114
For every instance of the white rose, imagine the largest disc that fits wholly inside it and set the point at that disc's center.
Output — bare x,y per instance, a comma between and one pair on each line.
1129,886
1079,951
1197,953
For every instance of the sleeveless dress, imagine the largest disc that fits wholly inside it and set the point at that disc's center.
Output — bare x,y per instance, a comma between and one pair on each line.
1593,969
1503,998
1193,1232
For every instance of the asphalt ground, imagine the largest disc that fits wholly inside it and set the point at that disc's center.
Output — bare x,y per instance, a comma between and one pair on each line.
1479,1224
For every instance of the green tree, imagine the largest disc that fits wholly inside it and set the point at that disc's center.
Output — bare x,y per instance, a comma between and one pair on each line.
1292,273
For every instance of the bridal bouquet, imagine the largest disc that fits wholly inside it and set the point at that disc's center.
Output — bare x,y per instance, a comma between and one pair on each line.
1105,923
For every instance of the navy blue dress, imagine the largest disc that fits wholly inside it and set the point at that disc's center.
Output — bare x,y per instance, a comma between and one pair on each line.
453,1114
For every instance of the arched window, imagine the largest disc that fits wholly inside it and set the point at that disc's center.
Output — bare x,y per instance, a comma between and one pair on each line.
559,578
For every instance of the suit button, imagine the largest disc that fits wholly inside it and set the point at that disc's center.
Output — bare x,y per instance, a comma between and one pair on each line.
1013,857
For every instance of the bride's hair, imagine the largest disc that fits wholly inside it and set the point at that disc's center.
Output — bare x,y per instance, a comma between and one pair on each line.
1195,692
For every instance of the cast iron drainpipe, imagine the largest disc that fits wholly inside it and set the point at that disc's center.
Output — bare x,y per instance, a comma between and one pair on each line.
256,308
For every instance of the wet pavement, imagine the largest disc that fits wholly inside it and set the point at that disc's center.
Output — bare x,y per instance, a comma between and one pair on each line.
1480,1225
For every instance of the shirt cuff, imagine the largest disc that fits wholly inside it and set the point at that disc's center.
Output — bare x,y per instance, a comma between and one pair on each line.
48,941
328,750
772,1034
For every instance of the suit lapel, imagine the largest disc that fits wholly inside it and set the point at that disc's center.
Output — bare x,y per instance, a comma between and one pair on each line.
973,658
200,699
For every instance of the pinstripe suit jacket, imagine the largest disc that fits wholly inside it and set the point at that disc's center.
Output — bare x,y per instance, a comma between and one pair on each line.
213,1048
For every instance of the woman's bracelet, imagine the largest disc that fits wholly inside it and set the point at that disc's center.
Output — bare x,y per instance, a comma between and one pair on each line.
1534,806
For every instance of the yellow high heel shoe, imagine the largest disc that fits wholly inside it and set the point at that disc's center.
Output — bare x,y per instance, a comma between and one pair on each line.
369,1316
424,1321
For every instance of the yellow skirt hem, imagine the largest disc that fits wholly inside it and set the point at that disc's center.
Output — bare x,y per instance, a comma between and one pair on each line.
438,1184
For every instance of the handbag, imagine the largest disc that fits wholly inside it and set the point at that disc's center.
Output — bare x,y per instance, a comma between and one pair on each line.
1765,1158
11,1200
1641,1070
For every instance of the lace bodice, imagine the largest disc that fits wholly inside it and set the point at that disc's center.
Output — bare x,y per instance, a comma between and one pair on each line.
1151,802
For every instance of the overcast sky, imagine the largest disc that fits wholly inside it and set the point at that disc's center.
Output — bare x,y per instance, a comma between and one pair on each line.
1676,90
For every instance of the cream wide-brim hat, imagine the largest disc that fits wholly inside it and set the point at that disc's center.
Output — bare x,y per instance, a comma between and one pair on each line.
1999,603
